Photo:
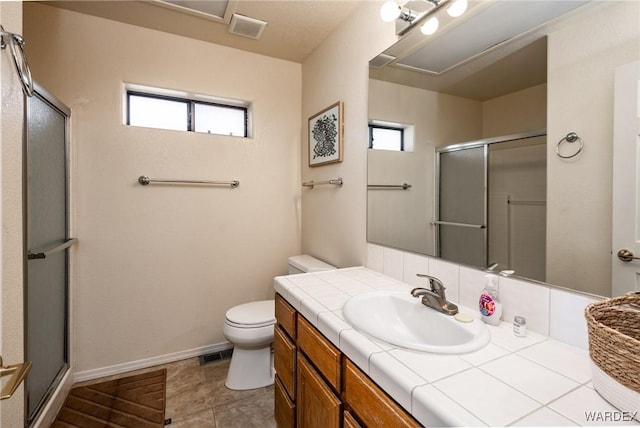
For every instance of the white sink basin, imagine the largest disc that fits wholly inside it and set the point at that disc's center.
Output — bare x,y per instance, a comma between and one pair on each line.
402,320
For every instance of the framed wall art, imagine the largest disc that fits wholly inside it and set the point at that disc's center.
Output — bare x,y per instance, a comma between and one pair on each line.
325,136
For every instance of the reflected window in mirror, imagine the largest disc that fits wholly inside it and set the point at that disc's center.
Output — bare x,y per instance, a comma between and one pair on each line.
386,137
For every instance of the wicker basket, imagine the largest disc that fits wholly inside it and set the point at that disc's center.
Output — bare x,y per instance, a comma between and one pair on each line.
614,338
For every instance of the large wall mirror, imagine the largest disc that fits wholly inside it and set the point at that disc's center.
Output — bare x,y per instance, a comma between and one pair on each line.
464,162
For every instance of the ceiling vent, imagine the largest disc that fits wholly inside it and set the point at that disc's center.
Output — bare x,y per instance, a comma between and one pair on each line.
247,27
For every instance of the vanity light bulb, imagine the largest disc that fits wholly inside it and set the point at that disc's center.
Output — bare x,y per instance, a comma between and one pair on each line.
457,8
390,11
430,27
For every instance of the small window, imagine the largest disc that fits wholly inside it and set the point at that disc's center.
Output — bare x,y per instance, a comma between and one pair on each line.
185,114
386,138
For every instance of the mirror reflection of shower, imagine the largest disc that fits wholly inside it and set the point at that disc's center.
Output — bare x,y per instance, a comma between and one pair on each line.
491,203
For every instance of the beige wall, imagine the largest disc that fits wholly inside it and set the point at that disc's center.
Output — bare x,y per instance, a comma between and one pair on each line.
334,219
158,266
582,58
520,111
11,275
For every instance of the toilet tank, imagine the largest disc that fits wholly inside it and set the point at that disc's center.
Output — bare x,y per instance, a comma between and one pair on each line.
305,264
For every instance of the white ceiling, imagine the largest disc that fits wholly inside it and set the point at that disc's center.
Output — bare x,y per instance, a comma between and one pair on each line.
294,27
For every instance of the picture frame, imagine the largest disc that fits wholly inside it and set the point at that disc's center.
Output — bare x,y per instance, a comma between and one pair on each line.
326,135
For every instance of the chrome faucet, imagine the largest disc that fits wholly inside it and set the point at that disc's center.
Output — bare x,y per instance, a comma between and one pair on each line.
435,297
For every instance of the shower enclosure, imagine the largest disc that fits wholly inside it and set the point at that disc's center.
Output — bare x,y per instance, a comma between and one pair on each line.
46,245
491,203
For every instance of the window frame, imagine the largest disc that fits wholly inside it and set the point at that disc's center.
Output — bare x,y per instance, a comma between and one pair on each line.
190,103
373,126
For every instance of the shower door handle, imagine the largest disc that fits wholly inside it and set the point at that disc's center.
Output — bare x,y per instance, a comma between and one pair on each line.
17,372
66,244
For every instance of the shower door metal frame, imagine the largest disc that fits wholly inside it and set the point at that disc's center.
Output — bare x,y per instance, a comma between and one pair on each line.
55,103
485,142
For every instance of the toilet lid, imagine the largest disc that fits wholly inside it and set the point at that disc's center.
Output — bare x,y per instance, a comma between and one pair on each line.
253,313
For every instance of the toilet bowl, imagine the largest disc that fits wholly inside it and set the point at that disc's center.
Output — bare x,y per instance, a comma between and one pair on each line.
249,327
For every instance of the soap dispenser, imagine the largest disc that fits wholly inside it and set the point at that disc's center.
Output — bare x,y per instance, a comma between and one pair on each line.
489,303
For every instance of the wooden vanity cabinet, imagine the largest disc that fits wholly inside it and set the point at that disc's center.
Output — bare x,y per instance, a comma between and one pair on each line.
316,386
285,356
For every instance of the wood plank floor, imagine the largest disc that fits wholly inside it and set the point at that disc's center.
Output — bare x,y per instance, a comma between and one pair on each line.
197,397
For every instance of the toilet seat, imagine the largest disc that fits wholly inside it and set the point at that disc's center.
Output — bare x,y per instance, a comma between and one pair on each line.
252,314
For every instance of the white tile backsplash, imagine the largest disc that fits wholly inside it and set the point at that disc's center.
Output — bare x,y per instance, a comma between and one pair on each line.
392,263
414,264
471,285
568,323
375,257
552,312
525,299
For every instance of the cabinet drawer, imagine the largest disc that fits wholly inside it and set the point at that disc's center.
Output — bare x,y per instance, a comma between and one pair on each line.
324,355
286,316
284,410
285,361
373,407
317,405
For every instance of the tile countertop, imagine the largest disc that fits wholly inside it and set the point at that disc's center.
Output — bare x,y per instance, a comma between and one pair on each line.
513,381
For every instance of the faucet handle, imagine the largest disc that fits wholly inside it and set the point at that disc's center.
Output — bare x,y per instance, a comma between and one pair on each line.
436,285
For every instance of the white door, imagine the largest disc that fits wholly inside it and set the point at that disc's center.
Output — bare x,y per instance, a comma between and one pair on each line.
625,257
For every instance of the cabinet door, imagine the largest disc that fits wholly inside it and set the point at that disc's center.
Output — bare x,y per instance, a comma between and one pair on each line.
317,406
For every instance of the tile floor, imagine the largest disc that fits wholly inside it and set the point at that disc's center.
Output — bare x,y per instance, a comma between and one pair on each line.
197,397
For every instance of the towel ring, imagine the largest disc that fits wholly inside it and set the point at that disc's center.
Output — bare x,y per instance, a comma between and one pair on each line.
16,45
571,137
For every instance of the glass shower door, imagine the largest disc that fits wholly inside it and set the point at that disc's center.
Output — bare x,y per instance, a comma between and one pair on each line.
462,206
47,242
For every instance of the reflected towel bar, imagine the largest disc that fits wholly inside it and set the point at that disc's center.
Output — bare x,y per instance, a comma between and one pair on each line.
527,202
403,186
451,223
144,180
335,182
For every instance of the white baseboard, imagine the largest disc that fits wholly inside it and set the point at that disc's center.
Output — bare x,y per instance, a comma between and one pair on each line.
149,362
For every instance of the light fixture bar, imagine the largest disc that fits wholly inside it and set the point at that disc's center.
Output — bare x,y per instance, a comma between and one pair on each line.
422,18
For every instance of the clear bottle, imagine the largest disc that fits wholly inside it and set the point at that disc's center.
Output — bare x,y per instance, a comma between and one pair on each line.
489,302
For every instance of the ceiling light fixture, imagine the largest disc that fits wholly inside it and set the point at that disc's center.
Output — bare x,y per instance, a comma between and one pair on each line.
407,18
390,11
430,26
457,8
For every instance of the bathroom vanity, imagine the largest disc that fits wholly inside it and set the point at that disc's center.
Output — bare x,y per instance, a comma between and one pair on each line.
316,385
328,373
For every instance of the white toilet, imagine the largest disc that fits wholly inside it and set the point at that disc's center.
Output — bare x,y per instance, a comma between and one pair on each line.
249,327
